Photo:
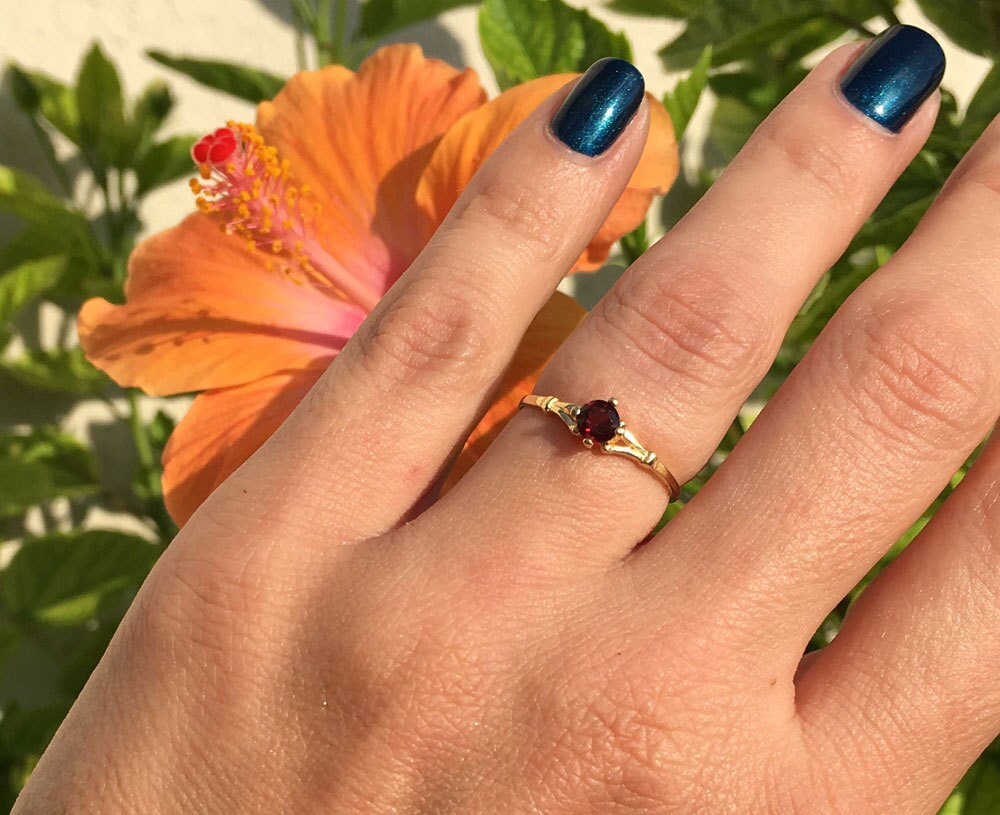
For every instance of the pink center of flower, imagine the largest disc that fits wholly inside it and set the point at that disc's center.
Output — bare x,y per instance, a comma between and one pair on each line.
245,184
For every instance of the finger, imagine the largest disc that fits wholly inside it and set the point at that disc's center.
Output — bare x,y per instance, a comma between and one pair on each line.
894,395
686,334
909,685
385,417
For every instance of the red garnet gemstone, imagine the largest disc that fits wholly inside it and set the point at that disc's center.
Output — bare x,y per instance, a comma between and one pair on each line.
598,420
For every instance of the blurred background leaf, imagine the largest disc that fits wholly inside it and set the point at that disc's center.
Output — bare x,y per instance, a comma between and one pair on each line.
525,39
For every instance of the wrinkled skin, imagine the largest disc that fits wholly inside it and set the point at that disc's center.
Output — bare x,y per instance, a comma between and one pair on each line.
314,642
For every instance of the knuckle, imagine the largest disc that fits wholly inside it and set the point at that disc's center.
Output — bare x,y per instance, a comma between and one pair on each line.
984,176
815,159
917,378
431,341
222,602
694,327
527,219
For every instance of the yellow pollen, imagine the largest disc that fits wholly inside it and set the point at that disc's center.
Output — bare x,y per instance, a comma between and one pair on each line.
277,247
195,185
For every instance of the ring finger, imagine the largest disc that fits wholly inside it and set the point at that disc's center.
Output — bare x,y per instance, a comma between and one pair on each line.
686,334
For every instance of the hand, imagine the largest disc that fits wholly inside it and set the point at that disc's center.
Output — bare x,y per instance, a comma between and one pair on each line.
307,645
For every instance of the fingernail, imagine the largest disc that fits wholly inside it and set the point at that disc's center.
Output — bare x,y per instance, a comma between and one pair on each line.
600,106
894,75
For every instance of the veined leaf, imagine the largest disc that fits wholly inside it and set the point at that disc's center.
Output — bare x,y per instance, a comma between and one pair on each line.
683,100
381,17
60,579
252,84
525,39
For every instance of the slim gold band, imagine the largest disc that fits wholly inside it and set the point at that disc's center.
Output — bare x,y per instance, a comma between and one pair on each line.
624,442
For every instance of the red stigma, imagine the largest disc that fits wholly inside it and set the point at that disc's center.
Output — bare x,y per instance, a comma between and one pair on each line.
215,147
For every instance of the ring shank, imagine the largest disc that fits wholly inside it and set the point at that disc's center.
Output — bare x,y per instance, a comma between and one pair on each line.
626,444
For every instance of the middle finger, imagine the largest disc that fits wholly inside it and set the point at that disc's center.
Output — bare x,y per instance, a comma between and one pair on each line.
690,329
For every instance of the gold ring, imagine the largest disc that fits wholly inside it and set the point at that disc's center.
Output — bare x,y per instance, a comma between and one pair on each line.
600,426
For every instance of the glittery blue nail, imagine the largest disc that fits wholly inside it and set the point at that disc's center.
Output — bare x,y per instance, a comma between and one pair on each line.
600,106
894,75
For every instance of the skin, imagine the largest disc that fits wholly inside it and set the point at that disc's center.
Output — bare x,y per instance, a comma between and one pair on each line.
313,643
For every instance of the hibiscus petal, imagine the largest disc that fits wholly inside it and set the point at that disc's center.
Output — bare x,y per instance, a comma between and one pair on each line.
220,431
203,311
550,328
360,141
466,145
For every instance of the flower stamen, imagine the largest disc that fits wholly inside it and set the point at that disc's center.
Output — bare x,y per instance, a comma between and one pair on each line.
244,183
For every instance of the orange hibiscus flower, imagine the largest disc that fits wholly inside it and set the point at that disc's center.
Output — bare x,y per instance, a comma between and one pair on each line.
304,222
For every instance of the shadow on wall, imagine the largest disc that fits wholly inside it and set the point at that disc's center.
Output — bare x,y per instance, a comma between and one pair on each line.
434,38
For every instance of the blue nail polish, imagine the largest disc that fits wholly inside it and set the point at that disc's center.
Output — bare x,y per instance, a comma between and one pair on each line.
600,106
894,75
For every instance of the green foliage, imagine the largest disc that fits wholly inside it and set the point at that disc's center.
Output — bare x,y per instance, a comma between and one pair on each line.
525,39
38,94
381,17
742,29
975,26
163,162
41,465
673,9
252,84
101,108
63,591
60,579
27,282
682,101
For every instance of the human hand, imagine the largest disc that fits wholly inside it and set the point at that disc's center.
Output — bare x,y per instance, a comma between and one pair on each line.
307,645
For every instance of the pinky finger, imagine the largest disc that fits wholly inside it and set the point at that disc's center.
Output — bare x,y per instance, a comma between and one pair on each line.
910,687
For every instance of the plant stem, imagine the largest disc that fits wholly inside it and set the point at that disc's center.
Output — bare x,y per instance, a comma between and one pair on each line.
341,32
888,12
148,470
143,447
326,46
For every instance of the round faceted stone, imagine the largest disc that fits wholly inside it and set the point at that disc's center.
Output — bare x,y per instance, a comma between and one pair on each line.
598,420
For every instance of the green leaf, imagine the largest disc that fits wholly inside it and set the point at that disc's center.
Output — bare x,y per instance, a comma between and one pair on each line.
983,106
36,92
25,196
973,26
979,792
103,132
164,162
149,113
25,283
241,81
674,9
683,100
381,17
743,29
63,371
525,39
41,465
60,579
